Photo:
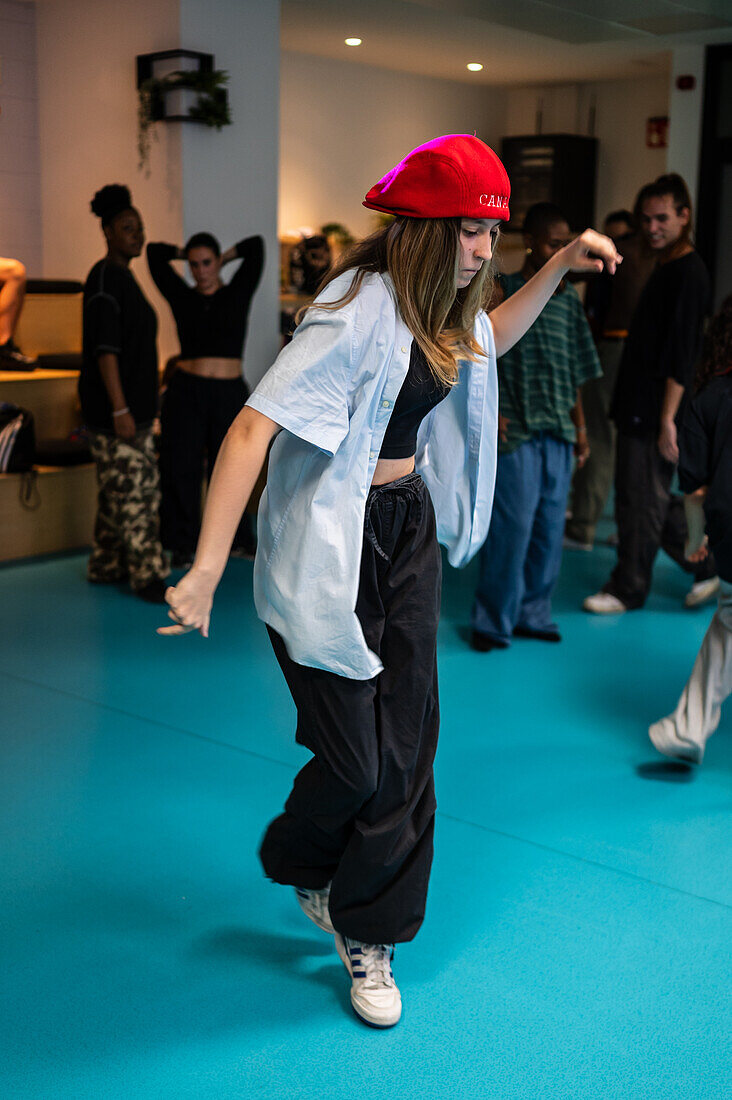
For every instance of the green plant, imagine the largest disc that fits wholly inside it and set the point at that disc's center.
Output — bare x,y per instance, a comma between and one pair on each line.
211,106
339,232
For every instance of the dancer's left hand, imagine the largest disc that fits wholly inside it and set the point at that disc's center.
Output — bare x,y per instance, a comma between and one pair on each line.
589,252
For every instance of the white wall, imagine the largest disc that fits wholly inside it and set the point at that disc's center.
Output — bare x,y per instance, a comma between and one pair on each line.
344,125
88,130
685,130
20,187
621,110
230,177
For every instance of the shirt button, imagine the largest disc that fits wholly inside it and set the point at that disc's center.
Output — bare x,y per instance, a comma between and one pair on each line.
386,404
404,350
373,454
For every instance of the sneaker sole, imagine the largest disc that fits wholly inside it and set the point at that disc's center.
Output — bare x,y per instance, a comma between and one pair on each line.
379,1026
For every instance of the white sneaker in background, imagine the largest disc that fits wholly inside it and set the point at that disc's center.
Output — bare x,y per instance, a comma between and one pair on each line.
374,994
314,904
701,592
665,738
604,603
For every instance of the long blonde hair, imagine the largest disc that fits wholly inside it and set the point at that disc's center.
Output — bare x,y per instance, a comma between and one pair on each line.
422,257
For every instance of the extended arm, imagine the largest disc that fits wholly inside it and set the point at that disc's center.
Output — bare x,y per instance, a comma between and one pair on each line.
514,316
237,467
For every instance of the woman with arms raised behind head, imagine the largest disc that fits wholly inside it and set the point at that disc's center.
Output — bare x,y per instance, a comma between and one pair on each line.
207,390
386,407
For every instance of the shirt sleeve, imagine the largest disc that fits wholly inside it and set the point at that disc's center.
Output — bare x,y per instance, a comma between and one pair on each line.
169,282
682,340
306,389
587,363
694,449
103,328
246,277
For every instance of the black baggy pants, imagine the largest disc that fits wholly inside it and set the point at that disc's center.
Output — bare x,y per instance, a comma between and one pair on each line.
195,416
649,517
361,812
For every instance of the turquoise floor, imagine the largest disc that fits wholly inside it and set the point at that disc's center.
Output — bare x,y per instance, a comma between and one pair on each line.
577,943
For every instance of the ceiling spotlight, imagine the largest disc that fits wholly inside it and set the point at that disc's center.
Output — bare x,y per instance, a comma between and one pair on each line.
353,41
475,67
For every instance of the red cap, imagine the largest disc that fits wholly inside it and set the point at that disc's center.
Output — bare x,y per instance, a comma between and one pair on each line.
456,176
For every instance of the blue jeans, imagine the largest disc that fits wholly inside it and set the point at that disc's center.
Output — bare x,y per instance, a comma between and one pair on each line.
520,559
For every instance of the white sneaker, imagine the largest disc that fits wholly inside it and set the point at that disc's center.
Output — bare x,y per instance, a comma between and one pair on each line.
314,904
374,994
665,738
604,603
701,591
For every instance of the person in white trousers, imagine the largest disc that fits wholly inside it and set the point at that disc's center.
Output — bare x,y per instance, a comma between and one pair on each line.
705,475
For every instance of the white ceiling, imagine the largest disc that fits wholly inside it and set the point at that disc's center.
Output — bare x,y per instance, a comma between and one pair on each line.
517,41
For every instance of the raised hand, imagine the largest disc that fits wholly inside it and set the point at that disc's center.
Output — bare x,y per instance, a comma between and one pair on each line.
591,251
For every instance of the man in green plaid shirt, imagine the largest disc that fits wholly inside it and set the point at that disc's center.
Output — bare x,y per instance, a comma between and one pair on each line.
541,426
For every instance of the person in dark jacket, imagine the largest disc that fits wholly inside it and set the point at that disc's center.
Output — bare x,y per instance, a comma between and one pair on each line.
118,388
657,369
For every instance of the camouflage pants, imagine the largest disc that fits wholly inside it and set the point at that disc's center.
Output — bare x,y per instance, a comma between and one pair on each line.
126,533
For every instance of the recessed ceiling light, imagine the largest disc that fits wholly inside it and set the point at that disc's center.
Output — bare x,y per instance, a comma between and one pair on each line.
353,41
475,67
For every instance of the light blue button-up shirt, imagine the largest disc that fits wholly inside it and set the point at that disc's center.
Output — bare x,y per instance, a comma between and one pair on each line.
332,390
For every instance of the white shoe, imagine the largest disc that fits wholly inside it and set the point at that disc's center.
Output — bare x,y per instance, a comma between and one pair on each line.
665,738
374,994
701,591
314,904
575,544
604,603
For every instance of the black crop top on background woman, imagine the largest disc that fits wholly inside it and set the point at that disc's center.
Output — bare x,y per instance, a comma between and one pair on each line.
420,392
210,326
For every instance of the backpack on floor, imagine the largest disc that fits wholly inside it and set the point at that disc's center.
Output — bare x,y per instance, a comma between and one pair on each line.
17,439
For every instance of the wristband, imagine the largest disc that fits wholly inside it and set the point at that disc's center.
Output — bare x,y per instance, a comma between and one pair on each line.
121,412
581,430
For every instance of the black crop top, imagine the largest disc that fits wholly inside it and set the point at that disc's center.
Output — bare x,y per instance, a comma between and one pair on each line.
420,392
209,325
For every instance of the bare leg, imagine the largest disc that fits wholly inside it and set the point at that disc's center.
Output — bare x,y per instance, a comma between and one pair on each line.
12,293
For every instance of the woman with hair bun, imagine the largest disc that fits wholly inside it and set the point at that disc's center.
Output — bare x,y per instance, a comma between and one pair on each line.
207,390
118,387
385,408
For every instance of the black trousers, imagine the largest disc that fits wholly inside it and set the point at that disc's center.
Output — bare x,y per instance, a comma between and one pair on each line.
361,812
649,517
195,416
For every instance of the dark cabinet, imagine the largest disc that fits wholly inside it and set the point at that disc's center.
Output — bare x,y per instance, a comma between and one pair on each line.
558,168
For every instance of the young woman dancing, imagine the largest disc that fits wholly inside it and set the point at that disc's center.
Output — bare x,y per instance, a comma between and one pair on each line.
386,407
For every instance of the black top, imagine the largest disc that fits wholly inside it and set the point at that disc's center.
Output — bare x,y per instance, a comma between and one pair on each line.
420,392
705,458
663,342
118,318
209,325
